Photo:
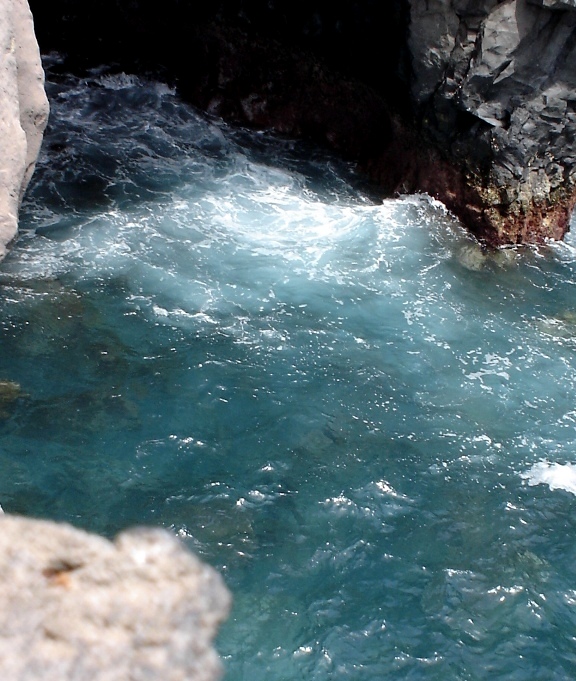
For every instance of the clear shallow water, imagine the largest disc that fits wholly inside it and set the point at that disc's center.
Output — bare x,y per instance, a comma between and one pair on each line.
370,433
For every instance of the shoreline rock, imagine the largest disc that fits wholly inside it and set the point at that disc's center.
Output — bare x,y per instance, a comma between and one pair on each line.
77,607
23,111
471,101
494,89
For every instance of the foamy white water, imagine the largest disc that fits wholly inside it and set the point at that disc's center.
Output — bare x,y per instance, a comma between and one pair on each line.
555,475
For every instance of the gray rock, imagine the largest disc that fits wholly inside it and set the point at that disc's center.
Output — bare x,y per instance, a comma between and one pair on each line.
23,111
75,607
494,84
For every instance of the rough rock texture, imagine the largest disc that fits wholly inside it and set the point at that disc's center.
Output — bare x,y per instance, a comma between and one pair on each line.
74,606
470,100
494,90
23,111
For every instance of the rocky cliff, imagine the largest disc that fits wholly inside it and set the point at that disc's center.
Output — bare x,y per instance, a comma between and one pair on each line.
493,87
469,100
23,111
76,607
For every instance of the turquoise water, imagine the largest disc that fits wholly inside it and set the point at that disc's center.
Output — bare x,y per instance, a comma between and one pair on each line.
363,422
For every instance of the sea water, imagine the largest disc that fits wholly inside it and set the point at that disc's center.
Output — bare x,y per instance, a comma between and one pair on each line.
363,421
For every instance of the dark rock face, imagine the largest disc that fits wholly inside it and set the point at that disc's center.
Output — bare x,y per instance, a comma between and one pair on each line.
493,88
470,100
263,84
282,65
279,65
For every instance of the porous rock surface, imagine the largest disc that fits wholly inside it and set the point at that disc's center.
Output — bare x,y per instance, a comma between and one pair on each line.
76,607
23,111
494,87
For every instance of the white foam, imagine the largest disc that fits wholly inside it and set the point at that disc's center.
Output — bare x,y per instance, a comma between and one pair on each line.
555,475
119,81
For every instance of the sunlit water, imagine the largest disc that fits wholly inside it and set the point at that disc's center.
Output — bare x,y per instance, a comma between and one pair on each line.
366,429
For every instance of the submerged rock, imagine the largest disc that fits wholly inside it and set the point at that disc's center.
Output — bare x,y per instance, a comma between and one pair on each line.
561,326
10,391
472,256
76,606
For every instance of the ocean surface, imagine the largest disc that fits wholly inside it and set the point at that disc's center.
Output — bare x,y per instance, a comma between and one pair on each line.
364,422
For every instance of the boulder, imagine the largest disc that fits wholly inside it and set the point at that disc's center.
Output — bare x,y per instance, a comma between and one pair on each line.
23,111
77,607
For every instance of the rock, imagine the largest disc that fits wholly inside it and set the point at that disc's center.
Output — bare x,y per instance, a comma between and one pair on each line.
493,88
472,257
23,111
10,392
75,606
470,101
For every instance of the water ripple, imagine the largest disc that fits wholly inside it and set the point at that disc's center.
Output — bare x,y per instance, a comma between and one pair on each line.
364,420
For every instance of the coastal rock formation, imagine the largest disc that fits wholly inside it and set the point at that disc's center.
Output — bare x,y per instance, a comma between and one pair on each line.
493,87
471,101
23,111
77,607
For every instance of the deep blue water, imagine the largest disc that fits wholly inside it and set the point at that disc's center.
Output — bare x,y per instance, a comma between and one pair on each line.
363,422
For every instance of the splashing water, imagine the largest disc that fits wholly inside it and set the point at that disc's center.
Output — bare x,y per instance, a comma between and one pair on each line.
344,405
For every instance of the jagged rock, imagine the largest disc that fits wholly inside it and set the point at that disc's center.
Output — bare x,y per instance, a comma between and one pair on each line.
480,92
494,90
75,607
23,111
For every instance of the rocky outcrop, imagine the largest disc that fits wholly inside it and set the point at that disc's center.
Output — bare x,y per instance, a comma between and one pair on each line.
493,87
491,120
23,111
77,607
471,101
